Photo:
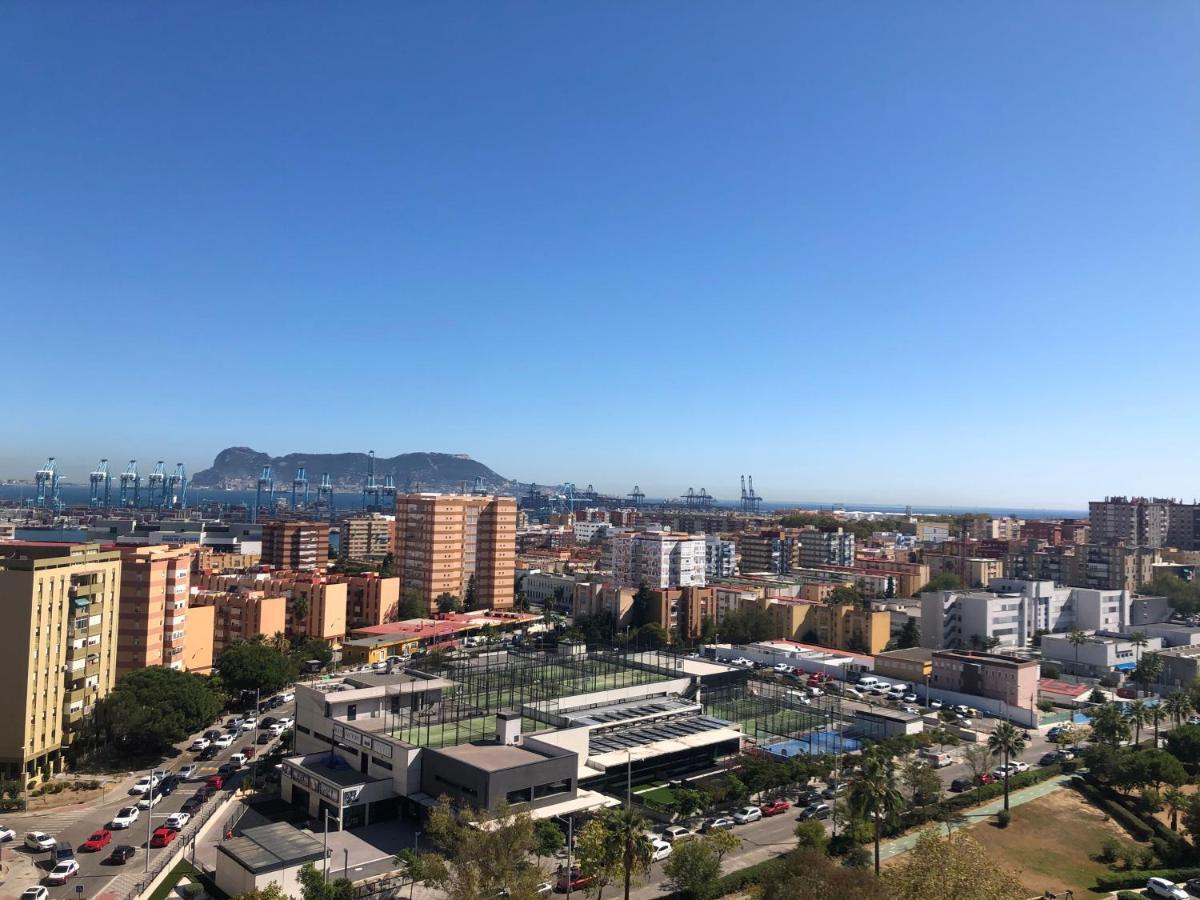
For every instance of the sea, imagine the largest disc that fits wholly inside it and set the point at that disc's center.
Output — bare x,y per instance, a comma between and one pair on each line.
78,495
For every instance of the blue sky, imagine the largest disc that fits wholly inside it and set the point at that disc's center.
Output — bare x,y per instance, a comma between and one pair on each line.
927,253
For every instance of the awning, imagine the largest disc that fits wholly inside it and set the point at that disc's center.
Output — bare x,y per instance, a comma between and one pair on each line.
1125,667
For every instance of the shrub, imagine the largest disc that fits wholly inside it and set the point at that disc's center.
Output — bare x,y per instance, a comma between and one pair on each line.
1003,818
1129,895
1136,878
858,857
1108,851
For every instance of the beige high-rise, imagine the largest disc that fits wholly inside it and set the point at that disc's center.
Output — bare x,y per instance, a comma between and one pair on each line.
58,617
154,598
442,540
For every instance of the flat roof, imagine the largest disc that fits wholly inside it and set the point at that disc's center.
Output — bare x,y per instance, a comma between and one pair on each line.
915,654
268,848
491,757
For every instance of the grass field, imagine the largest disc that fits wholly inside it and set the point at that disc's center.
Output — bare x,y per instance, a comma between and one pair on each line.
1051,841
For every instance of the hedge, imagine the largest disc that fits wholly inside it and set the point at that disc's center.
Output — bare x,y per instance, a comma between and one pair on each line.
1114,881
1127,819
996,788
739,879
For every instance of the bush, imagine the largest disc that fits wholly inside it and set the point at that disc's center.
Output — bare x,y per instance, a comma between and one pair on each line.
1136,878
1128,820
1003,818
858,857
1129,895
1108,851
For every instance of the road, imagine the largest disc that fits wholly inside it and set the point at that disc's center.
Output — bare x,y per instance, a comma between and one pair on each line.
74,825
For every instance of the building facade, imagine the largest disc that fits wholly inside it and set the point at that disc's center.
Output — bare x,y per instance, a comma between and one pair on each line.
240,614
826,548
367,538
1009,679
658,559
152,617
299,546
720,557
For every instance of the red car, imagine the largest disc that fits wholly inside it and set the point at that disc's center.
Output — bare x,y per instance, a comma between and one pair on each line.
99,840
162,836
986,778
576,882
248,752
216,782
775,807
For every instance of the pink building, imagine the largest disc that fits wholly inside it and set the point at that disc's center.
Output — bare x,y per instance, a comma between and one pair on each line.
1010,679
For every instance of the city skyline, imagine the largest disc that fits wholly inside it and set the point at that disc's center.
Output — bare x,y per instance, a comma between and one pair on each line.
941,255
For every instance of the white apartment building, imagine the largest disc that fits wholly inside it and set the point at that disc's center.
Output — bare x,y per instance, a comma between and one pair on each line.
826,548
585,532
1012,610
658,559
720,557
1104,652
551,590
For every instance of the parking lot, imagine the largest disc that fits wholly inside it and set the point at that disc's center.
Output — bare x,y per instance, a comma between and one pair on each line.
73,826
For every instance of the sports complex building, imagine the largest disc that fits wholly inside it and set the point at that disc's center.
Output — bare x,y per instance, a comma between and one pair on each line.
555,731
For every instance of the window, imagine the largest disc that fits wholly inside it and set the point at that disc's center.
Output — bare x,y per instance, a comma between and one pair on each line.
554,787
518,796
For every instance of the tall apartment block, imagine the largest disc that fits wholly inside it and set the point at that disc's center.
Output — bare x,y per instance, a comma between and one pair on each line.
658,559
1144,522
240,615
58,613
302,546
826,548
155,581
449,543
768,551
367,538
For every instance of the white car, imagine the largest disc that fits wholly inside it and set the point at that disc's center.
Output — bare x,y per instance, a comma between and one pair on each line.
747,814
177,820
189,771
276,730
248,725
200,743
935,704
238,759
912,710
910,697
6,834
782,667
149,800
35,893
741,661
143,784
287,698
1019,766
286,722
225,740
64,870
125,817
1161,887
659,850
39,840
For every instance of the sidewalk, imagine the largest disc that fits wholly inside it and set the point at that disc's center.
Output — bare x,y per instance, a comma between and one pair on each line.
888,849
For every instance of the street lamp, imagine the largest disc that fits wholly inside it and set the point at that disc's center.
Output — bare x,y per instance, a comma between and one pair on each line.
570,846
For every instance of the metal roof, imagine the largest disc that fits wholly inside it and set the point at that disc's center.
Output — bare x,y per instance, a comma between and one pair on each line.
271,847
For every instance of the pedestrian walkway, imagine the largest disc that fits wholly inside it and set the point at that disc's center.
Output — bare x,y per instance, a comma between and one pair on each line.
904,843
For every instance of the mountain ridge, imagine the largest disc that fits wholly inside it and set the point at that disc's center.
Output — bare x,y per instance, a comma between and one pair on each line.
240,467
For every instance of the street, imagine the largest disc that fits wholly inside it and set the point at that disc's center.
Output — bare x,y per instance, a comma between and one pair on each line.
74,825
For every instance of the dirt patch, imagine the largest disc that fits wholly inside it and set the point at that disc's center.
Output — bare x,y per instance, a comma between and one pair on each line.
1051,841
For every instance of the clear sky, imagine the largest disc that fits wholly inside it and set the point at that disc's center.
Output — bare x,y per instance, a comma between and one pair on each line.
934,252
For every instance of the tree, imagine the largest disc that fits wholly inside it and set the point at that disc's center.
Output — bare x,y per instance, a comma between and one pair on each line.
314,648
1148,670
387,567
484,853
300,608
413,866
639,608
598,857
313,885
652,636
845,594
811,835
693,869
909,636
1184,744
978,758
922,783
1077,639
1178,707
271,892
747,625
447,602
990,643
1138,714
722,843
151,709
811,875
708,629
690,802
956,866
1006,741
547,839
946,581
469,598
247,665
1176,802
1097,696
1109,726
411,606
873,793
629,831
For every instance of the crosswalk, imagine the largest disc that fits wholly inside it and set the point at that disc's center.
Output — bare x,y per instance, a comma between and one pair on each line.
50,822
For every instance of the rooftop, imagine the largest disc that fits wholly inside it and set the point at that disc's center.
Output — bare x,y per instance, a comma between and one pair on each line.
915,654
492,757
271,847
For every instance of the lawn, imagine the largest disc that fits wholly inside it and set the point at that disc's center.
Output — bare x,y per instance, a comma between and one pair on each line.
1051,841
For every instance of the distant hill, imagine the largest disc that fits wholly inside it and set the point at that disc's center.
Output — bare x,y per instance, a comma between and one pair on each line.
240,467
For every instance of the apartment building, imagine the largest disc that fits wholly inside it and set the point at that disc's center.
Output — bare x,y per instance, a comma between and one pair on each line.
826,548
769,551
368,538
681,610
1111,567
151,619
932,532
1009,679
658,559
1103,652
198,641
1135,521
371,599
58,608
999,528
451,543
240,614
315,605
720,557
299,546
843,626
594,598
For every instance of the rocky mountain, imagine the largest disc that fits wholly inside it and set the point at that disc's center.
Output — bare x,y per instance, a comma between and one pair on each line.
240,467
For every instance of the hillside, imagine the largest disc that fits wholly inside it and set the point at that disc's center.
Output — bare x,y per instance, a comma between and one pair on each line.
239,467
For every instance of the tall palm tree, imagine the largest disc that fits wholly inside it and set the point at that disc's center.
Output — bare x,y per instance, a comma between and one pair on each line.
1006,741
1077,639
1138,714
1178,707
873,792
628,830
1176,801
1158,714
1139,640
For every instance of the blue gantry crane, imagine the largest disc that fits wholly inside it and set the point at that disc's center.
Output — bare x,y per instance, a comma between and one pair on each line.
371,485
131,485
177,485
46,481
101,485
300,488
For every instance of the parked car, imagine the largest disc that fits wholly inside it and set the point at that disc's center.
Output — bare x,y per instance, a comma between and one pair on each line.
39,840
205,791
808,797
227,768
61,852
674,833
815,811
212,734
935,704
177,820
741,661
225,740
125,817
6,834
188,771
167,786
986,778
62,871
162,836
216,782
1162,887
149,800
98,841
720,823
958,785
659,850
265,738
208,755
35,893
143,784
545,889
200,743
120,855
747,814
192,805
1048,759
910,697
248,752
234,722
574,880
775,807
1017,766
236,761
834,790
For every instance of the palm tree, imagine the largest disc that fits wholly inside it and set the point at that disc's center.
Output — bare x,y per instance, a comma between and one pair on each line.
629,830
873,792
1176,801
1006,741
1139,640
1158,713
1138,714
1077,639
1178,706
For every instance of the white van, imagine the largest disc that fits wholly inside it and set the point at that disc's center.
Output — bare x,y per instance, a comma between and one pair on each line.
866,682
936,760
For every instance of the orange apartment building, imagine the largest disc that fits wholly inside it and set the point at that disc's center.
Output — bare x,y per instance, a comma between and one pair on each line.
371,599
151,617
444,542
297,546
681,610
843,626
315,604
239,615
198,645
